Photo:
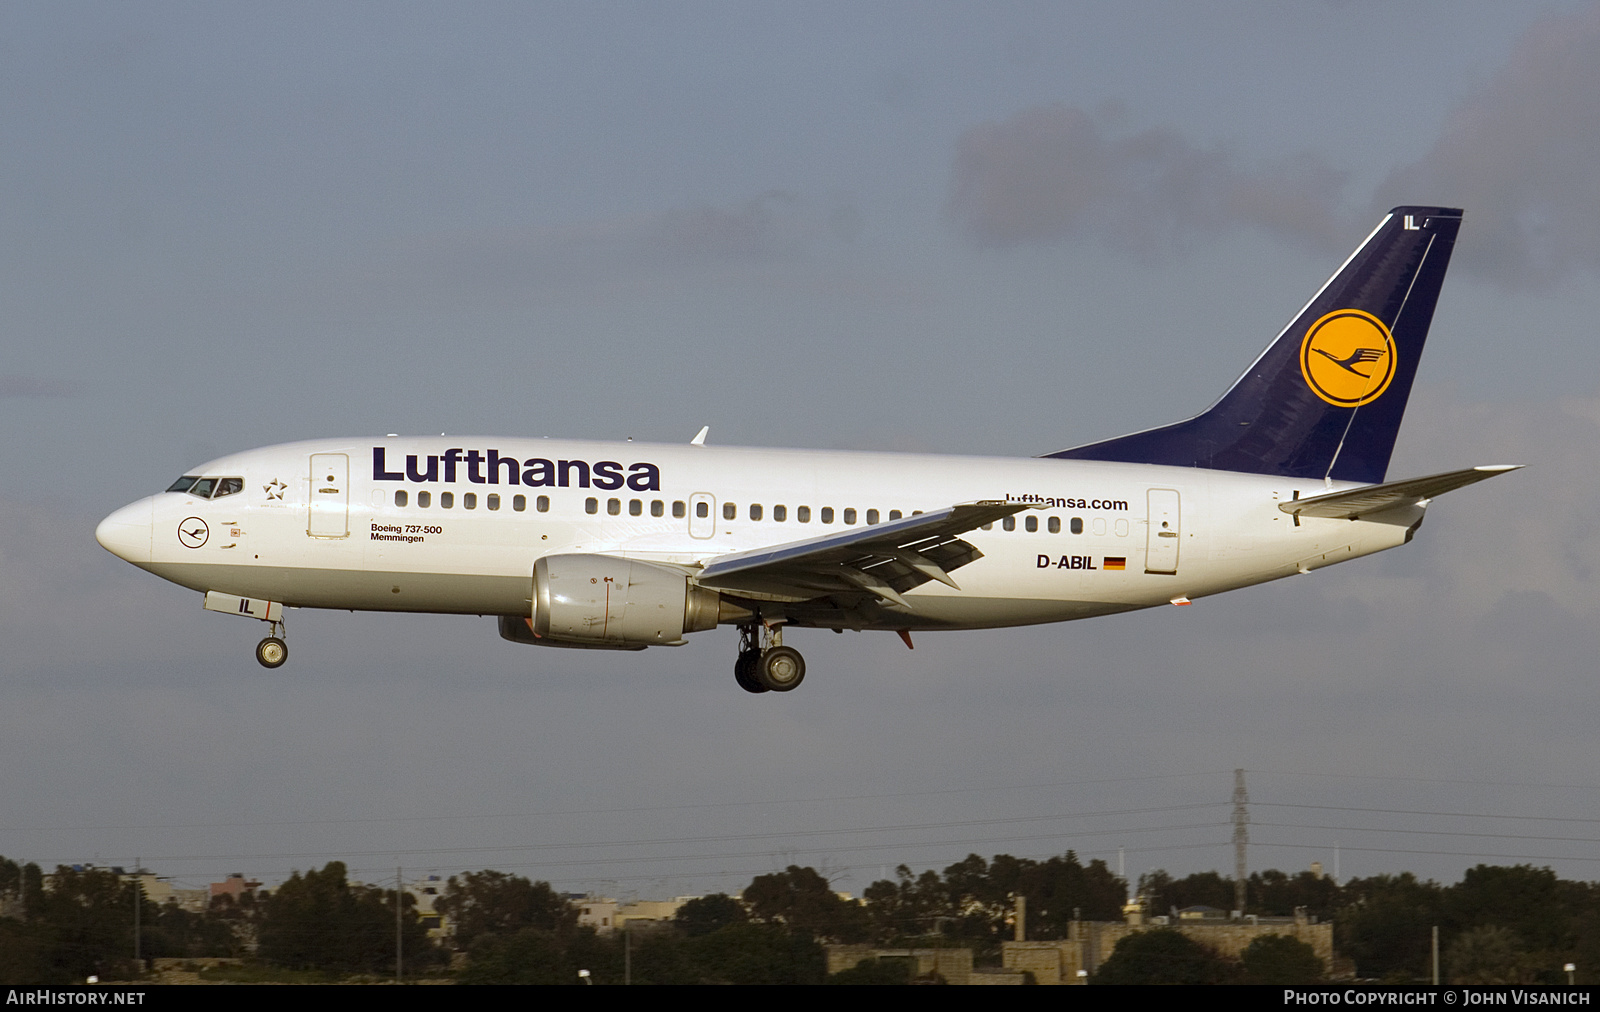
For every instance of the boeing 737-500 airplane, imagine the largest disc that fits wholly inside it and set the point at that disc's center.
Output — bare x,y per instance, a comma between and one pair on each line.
622,546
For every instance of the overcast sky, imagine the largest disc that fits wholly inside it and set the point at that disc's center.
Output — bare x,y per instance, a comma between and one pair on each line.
998,229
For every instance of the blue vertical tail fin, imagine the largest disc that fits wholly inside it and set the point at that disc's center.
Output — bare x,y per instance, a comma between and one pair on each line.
1326,398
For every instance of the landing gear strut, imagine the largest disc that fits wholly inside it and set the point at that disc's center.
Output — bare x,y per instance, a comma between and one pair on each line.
765,664
273,651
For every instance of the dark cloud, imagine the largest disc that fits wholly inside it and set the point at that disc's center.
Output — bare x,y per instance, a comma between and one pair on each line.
1523,156
1057,172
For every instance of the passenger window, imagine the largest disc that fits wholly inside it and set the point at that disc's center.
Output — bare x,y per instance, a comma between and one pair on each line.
729,511
1054,525
872,516
1077,525
635,508
657,508
542,504
803,514
678,509
827,514
1099,527
850,515
424,499
447,500
702,510
1031,524
1009,524
614,507
989,526
470,500
780,513
591,505
400,497
1122,528
519,503
755,511
493,502
895,514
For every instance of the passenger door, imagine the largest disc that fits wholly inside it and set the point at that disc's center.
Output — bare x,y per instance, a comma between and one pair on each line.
330,496
1161,544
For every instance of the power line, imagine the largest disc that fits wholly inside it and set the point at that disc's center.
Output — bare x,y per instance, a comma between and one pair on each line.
1415,811
621,810
907,827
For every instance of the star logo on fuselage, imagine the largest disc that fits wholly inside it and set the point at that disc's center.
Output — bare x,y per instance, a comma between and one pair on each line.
274,489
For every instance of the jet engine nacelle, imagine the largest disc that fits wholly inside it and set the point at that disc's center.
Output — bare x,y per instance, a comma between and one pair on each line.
608,602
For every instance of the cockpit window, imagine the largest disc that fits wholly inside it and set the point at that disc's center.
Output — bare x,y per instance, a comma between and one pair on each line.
207,488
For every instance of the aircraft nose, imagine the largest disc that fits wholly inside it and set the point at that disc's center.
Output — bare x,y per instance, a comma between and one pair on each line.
126,533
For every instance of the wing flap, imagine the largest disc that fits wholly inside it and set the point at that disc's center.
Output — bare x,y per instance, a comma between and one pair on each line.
1358,502
883,560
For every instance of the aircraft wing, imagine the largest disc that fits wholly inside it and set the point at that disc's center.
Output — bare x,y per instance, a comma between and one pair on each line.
1359,502
883,560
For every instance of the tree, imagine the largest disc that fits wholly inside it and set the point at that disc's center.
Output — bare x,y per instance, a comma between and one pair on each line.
802,900
705,914
1386,924
875,971
493,902
1163,956
319,921
1490,955
1281,959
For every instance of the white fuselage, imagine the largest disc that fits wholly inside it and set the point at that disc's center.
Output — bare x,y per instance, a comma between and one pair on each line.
294,536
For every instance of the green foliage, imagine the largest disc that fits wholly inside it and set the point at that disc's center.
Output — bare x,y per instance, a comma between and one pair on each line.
1281,959
875,971
802,900
975,901
1386,925
493,902
1163,956
756,954
1490,955
319,921
1163,893
706,914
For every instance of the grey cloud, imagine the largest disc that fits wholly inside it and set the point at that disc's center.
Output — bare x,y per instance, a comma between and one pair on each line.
1056,172
774,227
1523,156
12,385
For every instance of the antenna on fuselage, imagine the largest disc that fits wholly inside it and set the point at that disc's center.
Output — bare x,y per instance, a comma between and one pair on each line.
700,437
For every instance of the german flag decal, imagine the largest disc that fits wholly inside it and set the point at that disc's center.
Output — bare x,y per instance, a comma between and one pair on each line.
1115,563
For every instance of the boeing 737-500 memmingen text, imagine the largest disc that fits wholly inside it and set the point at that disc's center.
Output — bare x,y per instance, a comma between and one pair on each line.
622,546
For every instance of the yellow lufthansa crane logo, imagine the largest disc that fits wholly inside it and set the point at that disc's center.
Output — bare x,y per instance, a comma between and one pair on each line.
1348,358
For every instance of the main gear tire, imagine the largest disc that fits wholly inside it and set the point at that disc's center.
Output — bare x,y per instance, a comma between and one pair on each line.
744,671
782,669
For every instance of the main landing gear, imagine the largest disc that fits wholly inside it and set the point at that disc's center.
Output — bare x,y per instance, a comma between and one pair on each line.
765,664
273,651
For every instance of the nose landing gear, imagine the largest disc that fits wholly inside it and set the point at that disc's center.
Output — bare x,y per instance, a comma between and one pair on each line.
765,664
273,651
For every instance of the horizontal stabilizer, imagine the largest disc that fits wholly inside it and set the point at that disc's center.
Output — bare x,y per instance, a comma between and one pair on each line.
1359,502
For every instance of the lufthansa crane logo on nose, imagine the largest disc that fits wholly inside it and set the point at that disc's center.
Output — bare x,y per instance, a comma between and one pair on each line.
193,532
1348,358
